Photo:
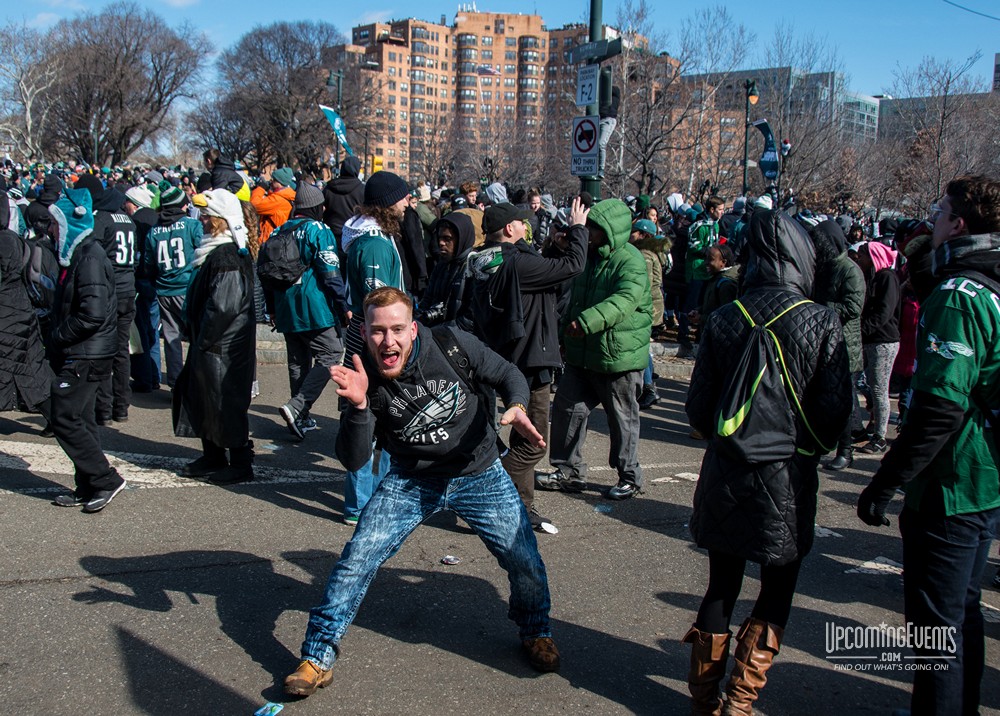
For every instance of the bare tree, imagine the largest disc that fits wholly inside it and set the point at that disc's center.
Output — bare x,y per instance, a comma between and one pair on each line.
124,68
940,115
228,123
25,76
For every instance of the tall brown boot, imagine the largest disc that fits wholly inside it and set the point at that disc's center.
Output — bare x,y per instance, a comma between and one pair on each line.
757,644
709,654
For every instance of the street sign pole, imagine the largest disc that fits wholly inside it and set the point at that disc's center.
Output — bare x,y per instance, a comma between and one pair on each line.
593,184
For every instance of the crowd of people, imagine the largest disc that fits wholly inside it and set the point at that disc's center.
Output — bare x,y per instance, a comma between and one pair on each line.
426,305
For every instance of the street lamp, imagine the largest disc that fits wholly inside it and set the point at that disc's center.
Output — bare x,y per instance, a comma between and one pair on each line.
750,87
336,79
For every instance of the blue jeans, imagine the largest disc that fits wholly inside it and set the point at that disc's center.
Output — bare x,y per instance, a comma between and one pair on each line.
943,563
647,375
146,365
359,485
488,502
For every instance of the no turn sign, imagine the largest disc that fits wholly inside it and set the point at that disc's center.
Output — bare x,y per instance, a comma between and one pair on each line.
586,131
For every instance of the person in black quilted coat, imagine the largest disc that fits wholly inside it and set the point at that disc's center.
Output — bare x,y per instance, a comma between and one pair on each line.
763,513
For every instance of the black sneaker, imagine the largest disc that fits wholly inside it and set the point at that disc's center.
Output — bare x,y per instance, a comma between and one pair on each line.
291,416
103,420
875,446
862,434
623,491
70,500
203,466
232,475
648,398
102,498
47,431
120,417
572,483
548,480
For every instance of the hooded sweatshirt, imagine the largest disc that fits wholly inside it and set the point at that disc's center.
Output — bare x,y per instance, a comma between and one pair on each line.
880,317
273,208
37,214
225,176
342,196
372,260
116,232
445,298
611,299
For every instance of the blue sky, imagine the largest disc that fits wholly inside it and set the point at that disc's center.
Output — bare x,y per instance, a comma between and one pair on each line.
872,36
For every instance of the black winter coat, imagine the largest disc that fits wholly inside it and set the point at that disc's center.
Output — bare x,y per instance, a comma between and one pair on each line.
225,176
449,295
85,317
766,513
117,233
341,198
24,373
212,394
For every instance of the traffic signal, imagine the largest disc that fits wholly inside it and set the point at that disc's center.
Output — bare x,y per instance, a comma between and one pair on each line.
376,164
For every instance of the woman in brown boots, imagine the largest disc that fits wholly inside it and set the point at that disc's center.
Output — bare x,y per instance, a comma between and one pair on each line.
756,494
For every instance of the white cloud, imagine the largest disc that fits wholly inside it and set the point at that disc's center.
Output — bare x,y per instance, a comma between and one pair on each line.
374,16
181,3
43,20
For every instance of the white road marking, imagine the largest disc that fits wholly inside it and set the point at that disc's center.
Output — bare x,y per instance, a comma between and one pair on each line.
879,565
142,471
824,532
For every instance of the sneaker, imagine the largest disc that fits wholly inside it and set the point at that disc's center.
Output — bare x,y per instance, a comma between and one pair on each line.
47,431
291,416
548,480
875,446
862,434
102,498
306,679
70,500
572,483
103,420
623,491
542,653
120,417
306,424
351,520
203,466
232,475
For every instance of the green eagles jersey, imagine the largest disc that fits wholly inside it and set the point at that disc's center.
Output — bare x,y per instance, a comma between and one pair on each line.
958,352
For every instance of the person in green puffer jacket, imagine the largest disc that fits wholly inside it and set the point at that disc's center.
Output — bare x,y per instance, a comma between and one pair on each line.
606,333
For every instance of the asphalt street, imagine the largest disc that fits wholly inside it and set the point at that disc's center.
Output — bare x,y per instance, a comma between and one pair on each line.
184,598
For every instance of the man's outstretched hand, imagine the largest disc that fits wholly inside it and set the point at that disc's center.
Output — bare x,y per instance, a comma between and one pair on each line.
517,419
352,385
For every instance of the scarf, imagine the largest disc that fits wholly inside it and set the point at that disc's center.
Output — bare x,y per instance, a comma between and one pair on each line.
208,245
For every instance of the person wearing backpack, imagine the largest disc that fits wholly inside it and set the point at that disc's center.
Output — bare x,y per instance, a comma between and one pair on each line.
404,388
309,312
755,499
25,375
945,457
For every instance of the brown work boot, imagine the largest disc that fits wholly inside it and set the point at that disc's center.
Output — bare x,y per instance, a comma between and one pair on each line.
306,679
757,644
709,654
542,653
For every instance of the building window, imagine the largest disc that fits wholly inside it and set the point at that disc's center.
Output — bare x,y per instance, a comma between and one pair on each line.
487,40
511,42
487,54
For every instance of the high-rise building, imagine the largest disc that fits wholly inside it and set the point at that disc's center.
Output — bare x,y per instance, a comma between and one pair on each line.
473,80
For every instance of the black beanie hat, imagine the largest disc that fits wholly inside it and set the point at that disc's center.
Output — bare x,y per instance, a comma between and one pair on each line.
385,189
92,184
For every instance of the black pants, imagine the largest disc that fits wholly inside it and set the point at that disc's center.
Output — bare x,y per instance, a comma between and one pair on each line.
74,392
114,395
725,579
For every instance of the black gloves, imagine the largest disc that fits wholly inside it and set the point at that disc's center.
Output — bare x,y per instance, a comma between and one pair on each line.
873,501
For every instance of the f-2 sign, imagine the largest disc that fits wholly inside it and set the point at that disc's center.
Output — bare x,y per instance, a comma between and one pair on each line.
586,85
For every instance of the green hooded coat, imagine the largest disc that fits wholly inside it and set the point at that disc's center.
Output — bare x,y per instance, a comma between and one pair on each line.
611,299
